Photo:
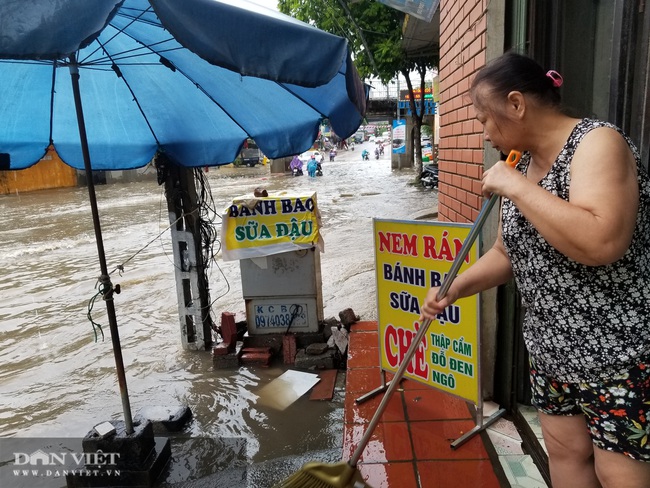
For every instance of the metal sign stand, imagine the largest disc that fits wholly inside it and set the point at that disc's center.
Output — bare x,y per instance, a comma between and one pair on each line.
373,393
480,425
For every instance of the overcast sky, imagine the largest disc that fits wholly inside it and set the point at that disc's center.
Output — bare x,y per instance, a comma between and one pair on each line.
272,4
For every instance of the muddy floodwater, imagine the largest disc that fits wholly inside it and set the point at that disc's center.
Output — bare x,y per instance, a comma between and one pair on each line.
56,380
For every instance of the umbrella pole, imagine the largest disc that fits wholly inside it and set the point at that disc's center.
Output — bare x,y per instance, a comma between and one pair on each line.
105,282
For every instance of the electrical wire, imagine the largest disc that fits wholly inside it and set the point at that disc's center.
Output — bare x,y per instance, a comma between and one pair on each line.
91,304
120,267
207,217
295,310
210,245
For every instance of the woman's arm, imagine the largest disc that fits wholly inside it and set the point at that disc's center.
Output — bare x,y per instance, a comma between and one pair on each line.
595,226
492,269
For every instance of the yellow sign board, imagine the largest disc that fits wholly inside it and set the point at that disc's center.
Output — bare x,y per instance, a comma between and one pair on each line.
412,257
260,226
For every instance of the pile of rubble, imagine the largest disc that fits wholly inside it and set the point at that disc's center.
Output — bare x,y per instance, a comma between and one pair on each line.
326,349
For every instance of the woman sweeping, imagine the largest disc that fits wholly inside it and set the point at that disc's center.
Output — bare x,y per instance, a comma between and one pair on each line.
575,235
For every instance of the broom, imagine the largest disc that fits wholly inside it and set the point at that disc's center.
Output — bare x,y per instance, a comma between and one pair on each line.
345,474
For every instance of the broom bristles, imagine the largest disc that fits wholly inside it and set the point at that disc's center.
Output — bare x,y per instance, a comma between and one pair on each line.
303,479
319,475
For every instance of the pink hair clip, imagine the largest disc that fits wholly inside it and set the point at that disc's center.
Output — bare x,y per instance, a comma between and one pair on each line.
555,77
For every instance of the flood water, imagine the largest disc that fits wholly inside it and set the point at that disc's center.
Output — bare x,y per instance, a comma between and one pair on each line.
57,381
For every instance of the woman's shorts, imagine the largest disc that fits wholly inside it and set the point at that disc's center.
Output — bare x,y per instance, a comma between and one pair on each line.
617,409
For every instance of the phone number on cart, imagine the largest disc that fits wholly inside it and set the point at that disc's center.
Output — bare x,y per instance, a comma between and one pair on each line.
270,316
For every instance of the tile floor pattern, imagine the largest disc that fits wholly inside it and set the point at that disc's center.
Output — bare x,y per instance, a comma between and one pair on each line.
410,447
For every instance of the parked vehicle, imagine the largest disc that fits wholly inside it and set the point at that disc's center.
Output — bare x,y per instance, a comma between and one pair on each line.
306,156
429,177
370,131
250,154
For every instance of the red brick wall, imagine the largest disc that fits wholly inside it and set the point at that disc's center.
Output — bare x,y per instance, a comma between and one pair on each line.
462,53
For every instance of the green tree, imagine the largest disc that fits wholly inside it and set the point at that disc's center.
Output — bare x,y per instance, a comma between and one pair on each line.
374,32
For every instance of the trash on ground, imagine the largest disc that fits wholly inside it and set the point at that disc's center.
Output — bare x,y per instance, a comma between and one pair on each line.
286,389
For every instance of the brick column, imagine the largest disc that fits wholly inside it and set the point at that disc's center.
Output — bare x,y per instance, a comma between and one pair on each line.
463,34
470,34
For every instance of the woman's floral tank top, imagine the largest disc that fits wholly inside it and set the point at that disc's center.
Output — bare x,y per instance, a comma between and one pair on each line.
582,323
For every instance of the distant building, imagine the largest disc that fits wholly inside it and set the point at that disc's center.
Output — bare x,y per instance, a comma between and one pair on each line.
49,172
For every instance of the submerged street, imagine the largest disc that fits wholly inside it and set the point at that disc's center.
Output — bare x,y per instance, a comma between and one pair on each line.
57,381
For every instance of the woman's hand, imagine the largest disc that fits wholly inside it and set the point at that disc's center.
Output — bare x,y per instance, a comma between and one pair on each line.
499,179
432,306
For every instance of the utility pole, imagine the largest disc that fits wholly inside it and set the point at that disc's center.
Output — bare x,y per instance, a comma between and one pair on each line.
191,284
398,92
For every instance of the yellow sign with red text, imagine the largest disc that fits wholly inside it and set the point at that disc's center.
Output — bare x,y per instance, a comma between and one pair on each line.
412,257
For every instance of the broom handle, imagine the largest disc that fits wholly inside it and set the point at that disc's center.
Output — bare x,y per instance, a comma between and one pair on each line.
512,160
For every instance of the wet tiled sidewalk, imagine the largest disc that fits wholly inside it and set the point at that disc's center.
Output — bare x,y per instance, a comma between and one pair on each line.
410,447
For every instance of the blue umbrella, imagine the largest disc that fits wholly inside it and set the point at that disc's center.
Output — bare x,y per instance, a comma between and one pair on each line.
192,79
145,90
